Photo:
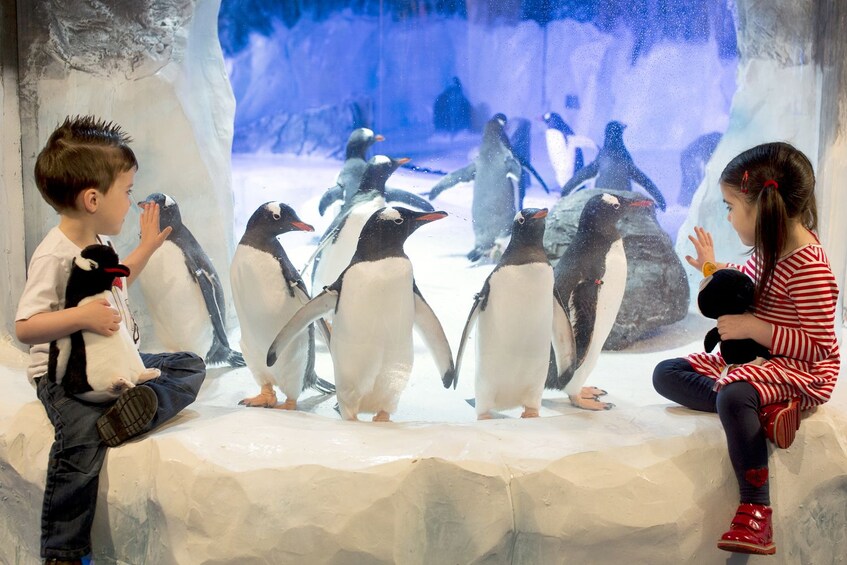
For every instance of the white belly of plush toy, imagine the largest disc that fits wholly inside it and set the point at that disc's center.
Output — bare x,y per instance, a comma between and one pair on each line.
113,363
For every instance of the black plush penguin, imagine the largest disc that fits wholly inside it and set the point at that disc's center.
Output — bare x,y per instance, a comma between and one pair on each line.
183,292
725,292
94,367
614,168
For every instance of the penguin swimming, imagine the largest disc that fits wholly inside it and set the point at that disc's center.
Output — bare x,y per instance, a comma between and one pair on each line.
338,243
376,305
184,295
564,147
348,180
268,291
614,169
590,280
496,171
94,367
517,318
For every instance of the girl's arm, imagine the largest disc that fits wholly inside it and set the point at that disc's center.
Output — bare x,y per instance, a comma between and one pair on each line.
151,240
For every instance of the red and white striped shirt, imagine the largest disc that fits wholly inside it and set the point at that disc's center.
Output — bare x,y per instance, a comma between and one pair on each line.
800,304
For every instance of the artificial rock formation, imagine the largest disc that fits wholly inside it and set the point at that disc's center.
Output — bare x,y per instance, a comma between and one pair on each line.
656,292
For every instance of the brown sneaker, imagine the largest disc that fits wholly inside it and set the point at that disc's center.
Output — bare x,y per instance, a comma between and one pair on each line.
128,416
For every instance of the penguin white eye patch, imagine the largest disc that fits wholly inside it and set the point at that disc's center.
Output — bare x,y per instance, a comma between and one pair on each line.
85,264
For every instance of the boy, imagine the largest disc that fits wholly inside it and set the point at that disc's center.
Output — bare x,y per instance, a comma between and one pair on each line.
86,172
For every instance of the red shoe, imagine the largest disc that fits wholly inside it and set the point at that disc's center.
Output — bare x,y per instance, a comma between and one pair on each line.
781,422
750,532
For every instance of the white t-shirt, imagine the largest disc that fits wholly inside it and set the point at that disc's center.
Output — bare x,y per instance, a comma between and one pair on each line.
47,279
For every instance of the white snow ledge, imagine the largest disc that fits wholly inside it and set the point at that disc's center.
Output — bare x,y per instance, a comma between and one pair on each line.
651,484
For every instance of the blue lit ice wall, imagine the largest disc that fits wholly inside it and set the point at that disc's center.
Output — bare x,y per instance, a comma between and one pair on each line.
305,73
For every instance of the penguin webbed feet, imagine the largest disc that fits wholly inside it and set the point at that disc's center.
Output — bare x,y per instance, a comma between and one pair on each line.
450,378
484,255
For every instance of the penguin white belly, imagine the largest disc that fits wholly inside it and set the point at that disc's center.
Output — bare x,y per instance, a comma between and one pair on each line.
175,302
371,346
513,338
336,256
561,156
112,363
609,300
264,305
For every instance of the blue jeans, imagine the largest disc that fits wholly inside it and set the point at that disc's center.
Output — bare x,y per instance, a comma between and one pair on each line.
737,405
73,469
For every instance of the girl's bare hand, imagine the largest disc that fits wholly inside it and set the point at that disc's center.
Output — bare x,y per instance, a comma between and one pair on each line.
704,247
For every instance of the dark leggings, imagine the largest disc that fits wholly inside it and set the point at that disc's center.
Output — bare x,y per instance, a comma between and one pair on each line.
737,405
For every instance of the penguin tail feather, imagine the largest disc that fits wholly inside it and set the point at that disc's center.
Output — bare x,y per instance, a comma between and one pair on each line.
322,386
555,379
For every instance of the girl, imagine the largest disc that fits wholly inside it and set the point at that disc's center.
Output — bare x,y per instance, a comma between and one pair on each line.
769,192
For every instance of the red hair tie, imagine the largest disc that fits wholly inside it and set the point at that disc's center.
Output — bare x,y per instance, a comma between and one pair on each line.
771,182
744,179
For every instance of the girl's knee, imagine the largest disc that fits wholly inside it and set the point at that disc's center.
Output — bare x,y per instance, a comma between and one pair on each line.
735,396
664,374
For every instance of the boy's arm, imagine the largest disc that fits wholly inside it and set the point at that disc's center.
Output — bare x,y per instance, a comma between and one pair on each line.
151,240
97,316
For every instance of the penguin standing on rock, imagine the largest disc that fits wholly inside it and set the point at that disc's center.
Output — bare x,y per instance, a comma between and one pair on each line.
564,147
268,291
348,180
590,280
376,305
516,318
184,295
614,169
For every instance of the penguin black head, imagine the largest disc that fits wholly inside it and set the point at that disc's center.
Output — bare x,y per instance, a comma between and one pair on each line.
94,270
495,130
168,210
528,227
385,232
270,220
360,140
613,138
602,211
555,121
377,172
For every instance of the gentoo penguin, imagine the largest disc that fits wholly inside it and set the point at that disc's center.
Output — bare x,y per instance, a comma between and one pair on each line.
338,243
184,295
348,180
267,291
376,305
614,169
564,147
516,318
94,367
495,173
590,279
451,111
692,163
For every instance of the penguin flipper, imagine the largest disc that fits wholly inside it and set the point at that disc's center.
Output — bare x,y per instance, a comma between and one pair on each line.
432,332
333,194
564,345
713,337
465,174
396,195
584,312
526,165
638,176
314,309
579,177
466,332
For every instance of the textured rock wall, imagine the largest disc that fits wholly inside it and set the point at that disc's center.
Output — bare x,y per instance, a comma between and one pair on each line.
156,68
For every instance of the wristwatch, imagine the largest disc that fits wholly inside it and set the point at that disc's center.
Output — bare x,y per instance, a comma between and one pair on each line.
708,268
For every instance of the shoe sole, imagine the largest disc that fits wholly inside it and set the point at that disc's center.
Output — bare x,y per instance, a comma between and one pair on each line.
128,416
785,425
741,547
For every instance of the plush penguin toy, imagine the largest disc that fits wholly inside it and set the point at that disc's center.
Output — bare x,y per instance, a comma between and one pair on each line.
725,292
91,366
376,306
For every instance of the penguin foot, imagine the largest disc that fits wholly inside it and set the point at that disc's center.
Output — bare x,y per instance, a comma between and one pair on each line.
590,403
529,413
289,404
592,392
484,416
265,399
148,375
382,416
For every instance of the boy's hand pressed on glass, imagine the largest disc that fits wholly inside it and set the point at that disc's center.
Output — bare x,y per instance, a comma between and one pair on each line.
152,239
